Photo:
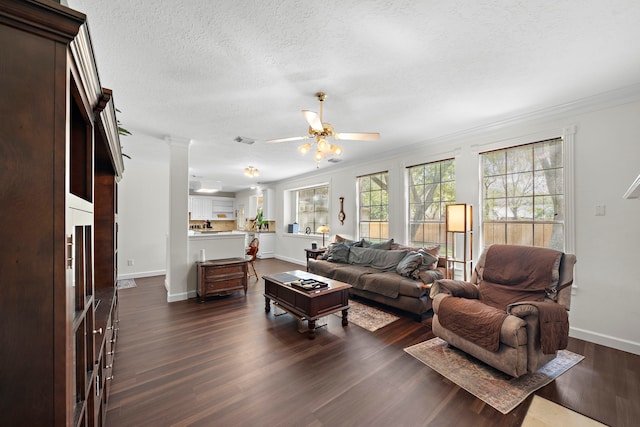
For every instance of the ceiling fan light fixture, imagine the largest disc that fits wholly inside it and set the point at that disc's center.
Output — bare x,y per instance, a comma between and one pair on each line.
323,145
251,171
318,156
304,148
337,150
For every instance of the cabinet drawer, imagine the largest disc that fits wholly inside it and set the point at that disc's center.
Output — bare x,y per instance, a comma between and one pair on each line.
222,285
213,272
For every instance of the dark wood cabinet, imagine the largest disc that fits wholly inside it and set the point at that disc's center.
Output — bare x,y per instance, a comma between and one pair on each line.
221,277
60,161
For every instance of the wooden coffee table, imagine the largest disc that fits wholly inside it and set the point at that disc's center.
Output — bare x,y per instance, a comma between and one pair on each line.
306,305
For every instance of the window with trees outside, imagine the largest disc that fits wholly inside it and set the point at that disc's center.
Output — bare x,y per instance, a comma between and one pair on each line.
313,207
373,206
432,186
523,195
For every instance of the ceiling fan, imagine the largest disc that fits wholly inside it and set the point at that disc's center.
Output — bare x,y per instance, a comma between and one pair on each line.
320,131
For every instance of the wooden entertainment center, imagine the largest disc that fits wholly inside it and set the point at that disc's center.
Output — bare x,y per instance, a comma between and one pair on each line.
60,161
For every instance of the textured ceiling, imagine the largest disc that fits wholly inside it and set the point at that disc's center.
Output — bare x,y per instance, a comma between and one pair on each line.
209,71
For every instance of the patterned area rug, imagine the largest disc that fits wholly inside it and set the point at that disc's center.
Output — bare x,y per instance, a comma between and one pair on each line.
498,389
367,317
126,283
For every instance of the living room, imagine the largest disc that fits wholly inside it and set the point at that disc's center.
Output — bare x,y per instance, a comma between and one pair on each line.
228,359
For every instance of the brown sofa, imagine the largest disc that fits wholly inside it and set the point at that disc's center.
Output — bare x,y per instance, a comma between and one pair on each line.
383,272
512,315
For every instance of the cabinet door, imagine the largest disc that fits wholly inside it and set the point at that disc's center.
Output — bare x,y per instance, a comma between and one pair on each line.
268,204
201,208
267,247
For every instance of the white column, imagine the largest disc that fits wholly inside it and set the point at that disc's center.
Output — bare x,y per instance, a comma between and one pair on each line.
178,240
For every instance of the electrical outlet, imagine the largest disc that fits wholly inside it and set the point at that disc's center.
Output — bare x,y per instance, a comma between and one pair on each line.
130,262
600,210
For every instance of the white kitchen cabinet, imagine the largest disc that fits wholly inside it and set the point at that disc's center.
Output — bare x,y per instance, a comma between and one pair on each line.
269,204
200,207
211,208
223,208
267,248
264,201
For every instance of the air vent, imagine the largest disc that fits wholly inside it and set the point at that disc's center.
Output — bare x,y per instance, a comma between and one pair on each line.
334,160
244,140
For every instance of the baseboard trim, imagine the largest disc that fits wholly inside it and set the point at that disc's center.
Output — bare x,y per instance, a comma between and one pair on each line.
142,274
181,296
291,260
606,340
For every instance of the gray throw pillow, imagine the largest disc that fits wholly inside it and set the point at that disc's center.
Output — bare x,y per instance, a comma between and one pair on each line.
430,276
409,264
338,252
428,259
380,245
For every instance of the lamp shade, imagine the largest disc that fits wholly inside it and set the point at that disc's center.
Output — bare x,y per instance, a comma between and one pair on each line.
459,218
322,229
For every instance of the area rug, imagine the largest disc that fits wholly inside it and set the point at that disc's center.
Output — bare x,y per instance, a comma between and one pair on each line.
496,388
368,317
544,413
126,283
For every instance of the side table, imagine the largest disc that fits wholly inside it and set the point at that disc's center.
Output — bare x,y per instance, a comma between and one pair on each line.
314,254
221,277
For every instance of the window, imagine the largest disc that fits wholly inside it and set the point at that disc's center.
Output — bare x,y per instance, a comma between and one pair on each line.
373,206
523,195
432,186
313,207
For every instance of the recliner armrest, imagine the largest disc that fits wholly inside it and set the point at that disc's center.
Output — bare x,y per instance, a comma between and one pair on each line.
456,288
522,309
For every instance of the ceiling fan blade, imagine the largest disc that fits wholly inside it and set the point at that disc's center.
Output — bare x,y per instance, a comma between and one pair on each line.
293,138
313,119
357,136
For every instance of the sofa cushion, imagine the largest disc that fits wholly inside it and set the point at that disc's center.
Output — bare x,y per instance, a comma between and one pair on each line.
409,263
324,268
379,258
338,252
352,274
390,284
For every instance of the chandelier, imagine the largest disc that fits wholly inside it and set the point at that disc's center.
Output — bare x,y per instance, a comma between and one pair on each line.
323,149
250,171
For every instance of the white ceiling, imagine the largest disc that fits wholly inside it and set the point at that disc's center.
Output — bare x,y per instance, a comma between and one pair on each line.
210,71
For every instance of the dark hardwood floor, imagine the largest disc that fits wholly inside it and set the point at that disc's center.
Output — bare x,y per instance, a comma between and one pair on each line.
226,362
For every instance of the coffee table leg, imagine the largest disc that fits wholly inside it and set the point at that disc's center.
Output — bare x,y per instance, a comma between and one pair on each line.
312,329
267,304
345,312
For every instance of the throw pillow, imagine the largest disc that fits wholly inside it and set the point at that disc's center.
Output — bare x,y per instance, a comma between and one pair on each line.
409,263
430,276
380,245
338,252
349,242
429,261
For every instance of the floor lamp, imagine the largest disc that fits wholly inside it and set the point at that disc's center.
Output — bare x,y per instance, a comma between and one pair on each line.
459,219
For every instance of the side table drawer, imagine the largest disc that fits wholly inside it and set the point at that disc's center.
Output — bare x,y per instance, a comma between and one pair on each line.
213,272
224,285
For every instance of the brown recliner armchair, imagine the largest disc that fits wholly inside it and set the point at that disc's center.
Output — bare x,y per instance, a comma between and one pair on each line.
513,313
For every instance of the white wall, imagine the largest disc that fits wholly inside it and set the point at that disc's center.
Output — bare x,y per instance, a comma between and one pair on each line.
143,209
